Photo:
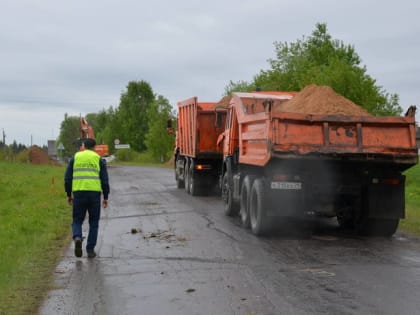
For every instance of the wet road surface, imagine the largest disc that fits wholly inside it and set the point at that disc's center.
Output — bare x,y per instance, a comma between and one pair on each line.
162,251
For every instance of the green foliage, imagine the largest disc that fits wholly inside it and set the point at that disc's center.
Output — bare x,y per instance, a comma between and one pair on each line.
69,133
321,60
107,127
34,227
240,86
22,157
132,113
139,120
412,200
125,155
159,142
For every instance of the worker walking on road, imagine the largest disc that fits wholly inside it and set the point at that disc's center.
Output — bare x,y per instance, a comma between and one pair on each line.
85,178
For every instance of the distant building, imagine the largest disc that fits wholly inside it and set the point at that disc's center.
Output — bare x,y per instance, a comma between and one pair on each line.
52,149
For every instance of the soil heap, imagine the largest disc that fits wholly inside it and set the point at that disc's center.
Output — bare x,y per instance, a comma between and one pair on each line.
321,100
224,102
38,156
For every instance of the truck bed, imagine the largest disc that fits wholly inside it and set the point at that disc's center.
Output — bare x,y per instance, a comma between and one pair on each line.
197,133
294,135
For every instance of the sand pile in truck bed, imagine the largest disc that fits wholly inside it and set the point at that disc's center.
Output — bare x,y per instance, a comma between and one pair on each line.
320,100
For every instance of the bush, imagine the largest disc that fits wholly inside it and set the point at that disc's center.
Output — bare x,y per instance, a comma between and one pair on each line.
125,155
22,156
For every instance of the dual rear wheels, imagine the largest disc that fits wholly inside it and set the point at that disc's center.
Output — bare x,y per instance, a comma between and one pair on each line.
253,206
193,183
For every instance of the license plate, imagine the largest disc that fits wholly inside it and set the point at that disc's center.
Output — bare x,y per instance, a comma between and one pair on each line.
286,185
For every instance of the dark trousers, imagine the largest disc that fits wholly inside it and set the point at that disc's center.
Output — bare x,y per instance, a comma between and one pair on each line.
90,202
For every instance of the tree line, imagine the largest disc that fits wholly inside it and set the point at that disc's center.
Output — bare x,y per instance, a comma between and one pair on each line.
9,152
140,118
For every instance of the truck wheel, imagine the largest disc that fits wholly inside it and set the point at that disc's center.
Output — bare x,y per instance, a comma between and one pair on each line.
230,207
344,221
187,177
194,182
180,183
258,209
346,209
378,227
245,200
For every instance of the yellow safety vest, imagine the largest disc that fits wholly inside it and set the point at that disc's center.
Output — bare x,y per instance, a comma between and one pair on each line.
86,171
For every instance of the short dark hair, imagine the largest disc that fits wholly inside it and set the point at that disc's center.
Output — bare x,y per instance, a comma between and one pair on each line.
89,143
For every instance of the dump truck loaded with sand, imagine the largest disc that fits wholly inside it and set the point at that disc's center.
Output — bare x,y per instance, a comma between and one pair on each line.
314,153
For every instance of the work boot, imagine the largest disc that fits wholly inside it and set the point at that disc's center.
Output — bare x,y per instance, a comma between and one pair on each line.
78,252
91,254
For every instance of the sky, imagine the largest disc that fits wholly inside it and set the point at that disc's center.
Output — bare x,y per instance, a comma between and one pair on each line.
77,57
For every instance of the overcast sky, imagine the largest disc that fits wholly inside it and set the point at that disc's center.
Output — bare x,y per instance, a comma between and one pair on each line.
76,57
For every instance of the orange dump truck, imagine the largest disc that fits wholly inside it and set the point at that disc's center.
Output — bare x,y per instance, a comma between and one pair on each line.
198,159
279,164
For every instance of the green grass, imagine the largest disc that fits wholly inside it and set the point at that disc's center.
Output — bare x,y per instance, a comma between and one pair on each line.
411,223
34,229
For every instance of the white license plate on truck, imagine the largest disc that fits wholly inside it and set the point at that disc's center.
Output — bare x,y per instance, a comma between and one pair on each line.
286,185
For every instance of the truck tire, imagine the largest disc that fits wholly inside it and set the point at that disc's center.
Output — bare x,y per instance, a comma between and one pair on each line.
378,227
187,176
245,200
194,181
231,208
258,209
179,182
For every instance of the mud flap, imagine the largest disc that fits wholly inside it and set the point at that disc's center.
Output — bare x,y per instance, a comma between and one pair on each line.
386,199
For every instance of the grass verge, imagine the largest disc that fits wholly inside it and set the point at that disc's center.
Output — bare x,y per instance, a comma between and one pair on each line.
34,228
411,223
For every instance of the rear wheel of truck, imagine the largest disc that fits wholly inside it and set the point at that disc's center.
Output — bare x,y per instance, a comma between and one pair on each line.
179,182
245,200
194,181
258,209
187,177
378,227
230,207
345,216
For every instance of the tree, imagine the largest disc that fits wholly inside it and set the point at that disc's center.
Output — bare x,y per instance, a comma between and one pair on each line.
69,133
159,142
99,122
321,60
240,86
106,127
132,113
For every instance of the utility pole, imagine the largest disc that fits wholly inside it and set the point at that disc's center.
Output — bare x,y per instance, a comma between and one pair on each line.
4,137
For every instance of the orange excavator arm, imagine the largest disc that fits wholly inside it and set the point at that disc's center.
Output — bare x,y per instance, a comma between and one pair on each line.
86,130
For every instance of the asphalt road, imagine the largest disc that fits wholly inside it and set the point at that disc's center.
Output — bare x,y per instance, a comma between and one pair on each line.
162,251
